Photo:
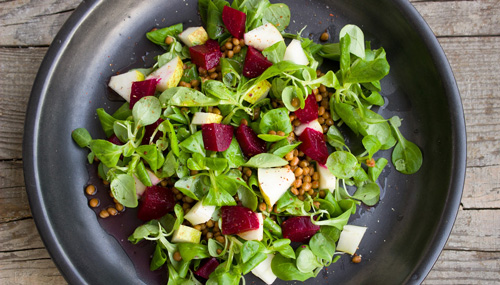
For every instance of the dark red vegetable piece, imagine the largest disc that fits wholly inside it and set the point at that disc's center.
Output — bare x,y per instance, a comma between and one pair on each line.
234,21
142,89
207,267
314,145
238,219
255,63
310,111
217,137
249,142
207,55
149,130
155,203
299,229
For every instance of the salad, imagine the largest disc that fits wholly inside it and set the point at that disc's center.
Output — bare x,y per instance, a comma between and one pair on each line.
233,147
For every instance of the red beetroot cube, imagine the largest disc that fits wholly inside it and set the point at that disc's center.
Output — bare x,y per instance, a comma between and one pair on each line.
255,63
155,203
249,142
142,89
115,140
299,229
217,137
310,111
234,21
207,267
207,55
149,130
238,219
314,145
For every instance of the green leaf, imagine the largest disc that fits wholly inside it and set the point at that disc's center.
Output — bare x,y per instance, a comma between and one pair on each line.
278,15
274,229
234,155
357,40
158,36
194,187
335,138
306,260
271,138
248,198
142,174
342,164
190,251
371,144
368,71
107,152
265,160
285,269
159,258
368,194
406,156
283,247
194,144
283,147
215,26
186,97
374,172
275,52
82,137
276,120
123,189
123,112
146,111
149,229
106,121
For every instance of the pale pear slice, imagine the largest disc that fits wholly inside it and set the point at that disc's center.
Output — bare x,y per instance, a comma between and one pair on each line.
186,234
193,36
326,179
258,92
122,83
168,75
314,124
257,234
264,271
274,182
199,213
350,238
295,53
201,118
263,37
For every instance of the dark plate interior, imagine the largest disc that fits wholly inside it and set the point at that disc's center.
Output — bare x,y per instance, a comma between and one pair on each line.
407,229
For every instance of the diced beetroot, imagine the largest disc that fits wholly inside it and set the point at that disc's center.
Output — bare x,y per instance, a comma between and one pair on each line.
155,203
207,55
249,142
142,89
217,137
238,219
310,111
255,63
150,129
115,140
234,21
299,229
314,145
207,267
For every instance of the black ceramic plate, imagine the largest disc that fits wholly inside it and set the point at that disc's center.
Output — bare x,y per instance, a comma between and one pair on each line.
406,230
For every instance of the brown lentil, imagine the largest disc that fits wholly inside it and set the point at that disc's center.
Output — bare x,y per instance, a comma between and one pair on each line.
315,184
298,172
322,193
119,207
294,161
294,191
219,251
112,211
244,122
280,133
94,202
216,111
297,183
169,40
319,98
210,235
289,156
220,239
90,190
104,214
316,204
324,37
307,178
262,207
237,49
356,258
315,176
177,256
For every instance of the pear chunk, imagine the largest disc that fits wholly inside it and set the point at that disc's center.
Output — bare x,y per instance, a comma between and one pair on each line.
200,213
186,234
193,36
350,238
257,234
295,53
168,75
264,271
263,37
312,124
201,118
258,92
122,83
326,179
274,182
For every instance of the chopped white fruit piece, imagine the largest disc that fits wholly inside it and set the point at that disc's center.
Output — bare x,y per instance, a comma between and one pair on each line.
350,238
263,37
274,182
201,118
315,125
257,234
140,187
258,92
295,53
193,36
186,234
264,271
326,179
199,213
122,83
168,75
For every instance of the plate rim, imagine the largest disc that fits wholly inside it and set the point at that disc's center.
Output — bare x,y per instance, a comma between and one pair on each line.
60,44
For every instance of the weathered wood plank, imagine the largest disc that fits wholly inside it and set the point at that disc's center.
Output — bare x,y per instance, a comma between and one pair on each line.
28,271
474,63
19,235
482,188
465,267
13,198
461,18
18,68
25,23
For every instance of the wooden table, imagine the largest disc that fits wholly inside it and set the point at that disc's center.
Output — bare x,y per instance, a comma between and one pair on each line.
469,32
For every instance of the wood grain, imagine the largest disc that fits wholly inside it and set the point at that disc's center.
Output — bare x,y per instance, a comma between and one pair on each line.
469,34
